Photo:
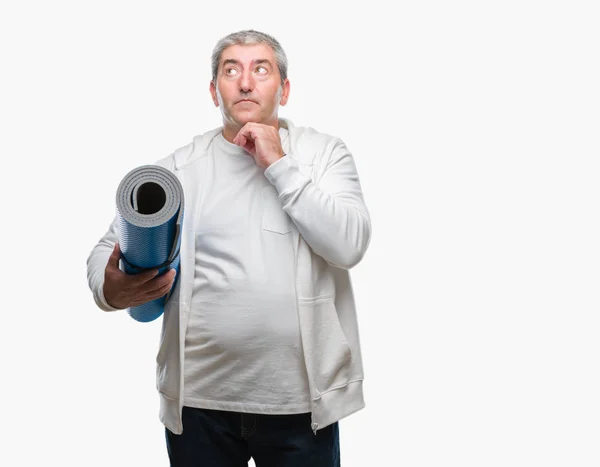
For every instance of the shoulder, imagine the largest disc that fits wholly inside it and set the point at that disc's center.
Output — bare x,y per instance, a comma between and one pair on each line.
311,136
166,162
312,143
307,134
189,153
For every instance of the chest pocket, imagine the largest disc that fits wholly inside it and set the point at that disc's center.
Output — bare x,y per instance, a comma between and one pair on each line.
274,218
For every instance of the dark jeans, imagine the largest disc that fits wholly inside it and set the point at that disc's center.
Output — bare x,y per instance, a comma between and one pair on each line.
217,438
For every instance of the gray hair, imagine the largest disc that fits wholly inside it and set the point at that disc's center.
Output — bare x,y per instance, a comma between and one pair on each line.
249,37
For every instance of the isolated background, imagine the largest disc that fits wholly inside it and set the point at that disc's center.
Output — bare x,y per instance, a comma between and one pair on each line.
474,126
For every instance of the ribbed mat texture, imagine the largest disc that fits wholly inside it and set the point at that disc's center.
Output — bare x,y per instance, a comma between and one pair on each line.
150,217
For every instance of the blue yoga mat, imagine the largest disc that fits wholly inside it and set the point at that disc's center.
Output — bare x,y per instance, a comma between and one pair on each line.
150,218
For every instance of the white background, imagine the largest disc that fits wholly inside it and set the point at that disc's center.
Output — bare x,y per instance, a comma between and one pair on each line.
474,127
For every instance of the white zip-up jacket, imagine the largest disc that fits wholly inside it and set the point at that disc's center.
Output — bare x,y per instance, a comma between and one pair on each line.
319,189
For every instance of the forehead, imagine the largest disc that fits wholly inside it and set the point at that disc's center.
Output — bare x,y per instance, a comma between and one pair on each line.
246,54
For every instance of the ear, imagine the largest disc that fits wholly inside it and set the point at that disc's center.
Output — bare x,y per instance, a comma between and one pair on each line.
285,93
213,93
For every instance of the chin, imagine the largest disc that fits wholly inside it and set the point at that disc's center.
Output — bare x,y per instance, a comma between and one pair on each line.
249,117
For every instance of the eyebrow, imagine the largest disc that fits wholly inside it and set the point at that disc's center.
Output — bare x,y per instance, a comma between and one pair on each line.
236,62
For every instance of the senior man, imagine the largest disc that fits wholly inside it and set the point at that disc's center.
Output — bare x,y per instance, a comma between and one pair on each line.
260,354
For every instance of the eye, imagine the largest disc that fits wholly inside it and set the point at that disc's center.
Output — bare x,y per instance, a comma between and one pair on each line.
261,67
228,70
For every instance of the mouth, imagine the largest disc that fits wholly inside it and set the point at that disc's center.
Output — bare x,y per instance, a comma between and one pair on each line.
246,101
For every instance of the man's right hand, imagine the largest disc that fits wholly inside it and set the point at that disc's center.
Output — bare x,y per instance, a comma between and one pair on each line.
123,290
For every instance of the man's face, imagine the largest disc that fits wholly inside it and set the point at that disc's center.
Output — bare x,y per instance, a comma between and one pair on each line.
249,85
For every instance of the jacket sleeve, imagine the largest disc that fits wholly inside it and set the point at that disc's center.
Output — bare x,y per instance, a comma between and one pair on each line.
96,264
331,215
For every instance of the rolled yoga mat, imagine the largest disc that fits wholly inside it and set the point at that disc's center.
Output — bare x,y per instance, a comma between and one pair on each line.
150,218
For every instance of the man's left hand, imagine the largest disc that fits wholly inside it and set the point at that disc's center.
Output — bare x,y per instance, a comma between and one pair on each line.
261,141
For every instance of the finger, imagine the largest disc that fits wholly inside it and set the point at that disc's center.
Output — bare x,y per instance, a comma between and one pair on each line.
113,260
167,278
142,278
246,132
240,140
164,290
249,146
171,277
236,139
150,291
155,293
155,282
251,134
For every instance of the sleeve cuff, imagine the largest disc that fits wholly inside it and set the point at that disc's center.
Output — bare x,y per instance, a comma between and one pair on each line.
102,301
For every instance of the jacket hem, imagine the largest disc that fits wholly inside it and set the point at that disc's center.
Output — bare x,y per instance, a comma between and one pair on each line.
169,414
336,404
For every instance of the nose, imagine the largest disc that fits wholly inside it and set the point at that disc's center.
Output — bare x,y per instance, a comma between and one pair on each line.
246,82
